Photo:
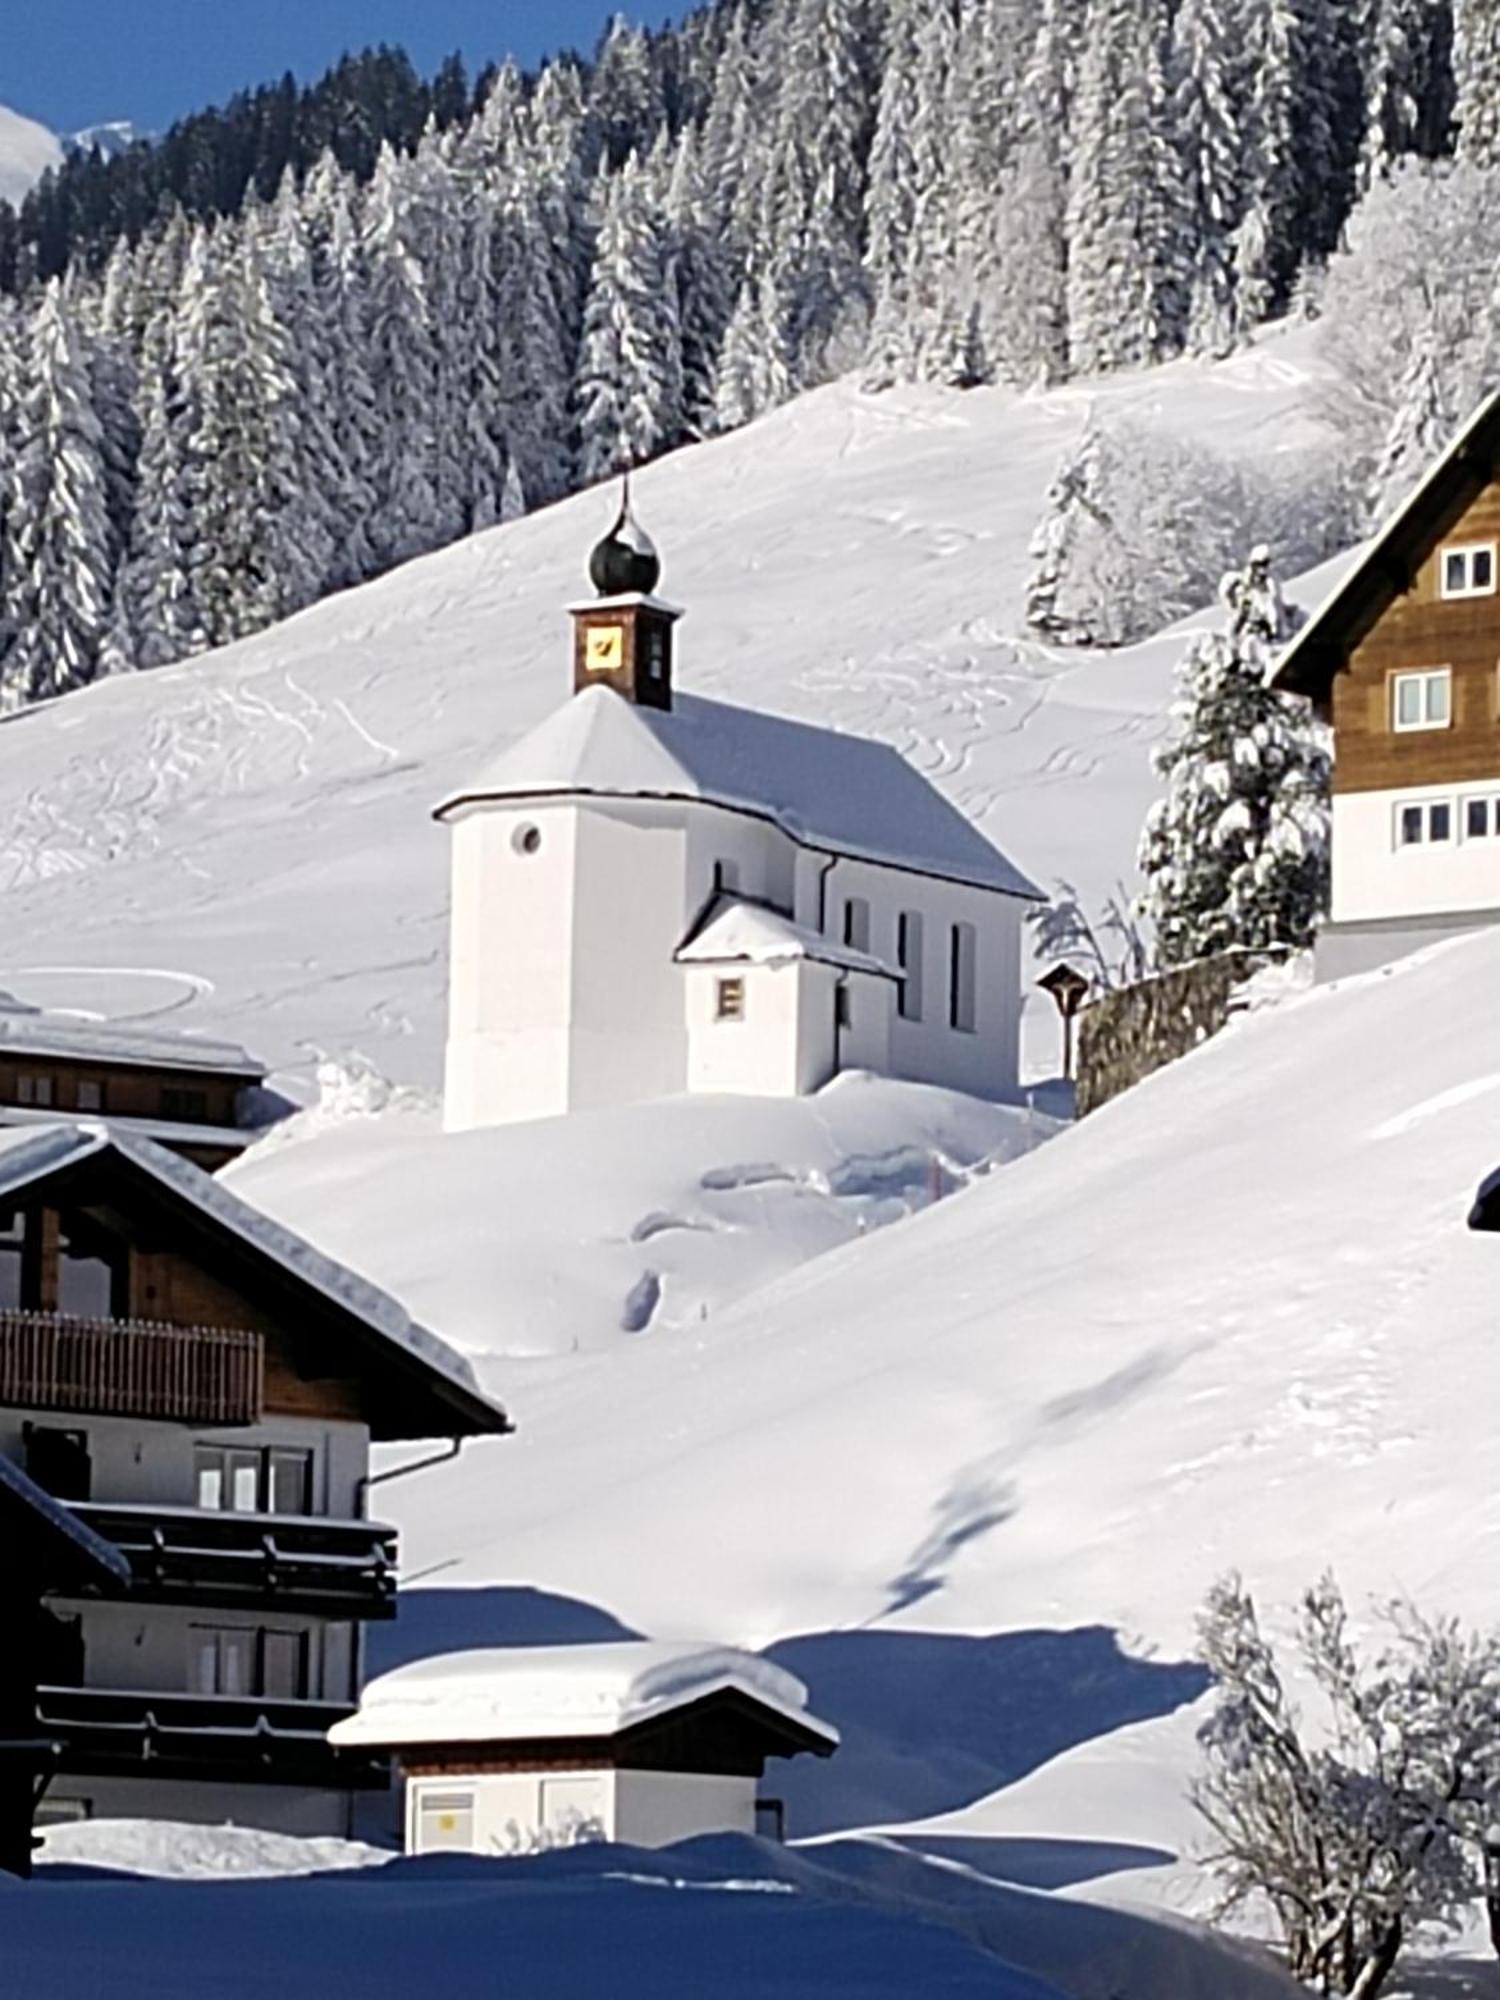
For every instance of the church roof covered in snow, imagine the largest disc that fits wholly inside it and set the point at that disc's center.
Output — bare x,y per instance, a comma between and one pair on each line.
528,1694
34,1031
424,1382
841,793
738,931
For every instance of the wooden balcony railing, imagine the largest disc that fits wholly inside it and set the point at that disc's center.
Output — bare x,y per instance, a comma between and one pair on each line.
313,1563
131,1368
105,1732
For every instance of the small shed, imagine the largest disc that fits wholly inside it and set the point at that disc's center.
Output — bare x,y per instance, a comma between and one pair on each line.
515,1750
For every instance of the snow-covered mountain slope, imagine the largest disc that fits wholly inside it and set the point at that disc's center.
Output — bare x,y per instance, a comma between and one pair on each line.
244,841
973,1476
27,150
611,1223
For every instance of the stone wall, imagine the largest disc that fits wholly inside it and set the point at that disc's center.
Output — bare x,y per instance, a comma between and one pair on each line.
1126,1035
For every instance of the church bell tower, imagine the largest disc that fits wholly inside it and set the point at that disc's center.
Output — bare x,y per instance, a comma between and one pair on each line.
622,638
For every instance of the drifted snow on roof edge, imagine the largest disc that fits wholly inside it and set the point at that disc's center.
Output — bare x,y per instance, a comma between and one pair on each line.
508,1694
823,788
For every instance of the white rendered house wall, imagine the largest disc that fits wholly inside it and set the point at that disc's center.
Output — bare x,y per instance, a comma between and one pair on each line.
1452,868
514,1812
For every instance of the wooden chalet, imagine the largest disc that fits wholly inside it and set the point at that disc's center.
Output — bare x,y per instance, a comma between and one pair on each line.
193,1391
1403,659
638,1741
189,1094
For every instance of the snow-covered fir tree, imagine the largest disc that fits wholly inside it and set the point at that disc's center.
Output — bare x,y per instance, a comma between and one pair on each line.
607,259
57,561
1235,853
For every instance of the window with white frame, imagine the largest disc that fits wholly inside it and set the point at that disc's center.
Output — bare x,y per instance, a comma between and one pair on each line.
249,1660
857,923
729,1000
1481,818
1468,570
963,978
1426,823
33,1089
909,958
249,1479
1422,700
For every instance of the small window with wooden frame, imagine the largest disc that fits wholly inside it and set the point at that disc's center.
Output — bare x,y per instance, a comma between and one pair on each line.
1422,699
1467,569
729,1000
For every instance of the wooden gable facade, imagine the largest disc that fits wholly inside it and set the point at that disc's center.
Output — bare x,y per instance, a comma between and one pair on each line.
172,1305
1394,614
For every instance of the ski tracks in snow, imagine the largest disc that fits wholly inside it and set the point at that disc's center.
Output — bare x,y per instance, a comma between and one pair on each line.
203,742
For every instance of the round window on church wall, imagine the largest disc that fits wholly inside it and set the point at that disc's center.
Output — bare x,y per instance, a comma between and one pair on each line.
526,839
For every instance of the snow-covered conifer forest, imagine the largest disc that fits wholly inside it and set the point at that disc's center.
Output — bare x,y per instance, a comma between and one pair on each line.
218,409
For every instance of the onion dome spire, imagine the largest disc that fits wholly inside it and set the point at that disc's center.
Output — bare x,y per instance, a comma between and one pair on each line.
625,563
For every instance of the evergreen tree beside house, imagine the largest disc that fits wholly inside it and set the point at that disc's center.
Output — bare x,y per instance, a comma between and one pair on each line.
1235,853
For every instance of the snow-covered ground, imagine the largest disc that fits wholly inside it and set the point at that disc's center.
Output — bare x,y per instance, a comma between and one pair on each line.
27,150
540,1239
967,1477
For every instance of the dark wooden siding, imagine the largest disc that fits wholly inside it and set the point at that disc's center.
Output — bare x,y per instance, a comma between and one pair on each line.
1422,629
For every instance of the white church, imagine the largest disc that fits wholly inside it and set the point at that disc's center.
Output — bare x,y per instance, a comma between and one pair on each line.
656,894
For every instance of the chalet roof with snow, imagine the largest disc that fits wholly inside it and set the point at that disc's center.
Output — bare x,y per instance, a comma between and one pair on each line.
36,1031
563,1694
1386,567
417,1386
839,793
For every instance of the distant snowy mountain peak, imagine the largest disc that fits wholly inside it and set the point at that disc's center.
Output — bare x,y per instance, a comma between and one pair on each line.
109,140
27,150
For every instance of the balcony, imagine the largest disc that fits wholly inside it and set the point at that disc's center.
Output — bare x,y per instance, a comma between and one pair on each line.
185,1555
227,1738
131,1368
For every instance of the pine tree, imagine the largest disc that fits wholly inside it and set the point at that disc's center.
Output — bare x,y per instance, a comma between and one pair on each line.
1235,854
401,366
1208,135
629,395
1127,249
58,531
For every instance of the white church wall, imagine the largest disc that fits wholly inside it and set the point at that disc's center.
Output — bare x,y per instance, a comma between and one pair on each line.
767,1050
745,855
927,1046
627,1039
865,1039
510,964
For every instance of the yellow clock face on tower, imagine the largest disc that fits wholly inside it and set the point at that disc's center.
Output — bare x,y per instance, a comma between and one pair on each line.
604,649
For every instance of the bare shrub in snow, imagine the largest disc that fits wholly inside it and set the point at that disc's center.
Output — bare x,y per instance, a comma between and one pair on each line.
1358,1830
1110,945
1140,525
1235,854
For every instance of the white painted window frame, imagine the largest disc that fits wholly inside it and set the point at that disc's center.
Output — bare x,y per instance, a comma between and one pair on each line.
1422,677
1468,551
1491,803
1426,807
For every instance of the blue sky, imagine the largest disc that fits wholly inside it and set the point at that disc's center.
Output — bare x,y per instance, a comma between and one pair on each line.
79,62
